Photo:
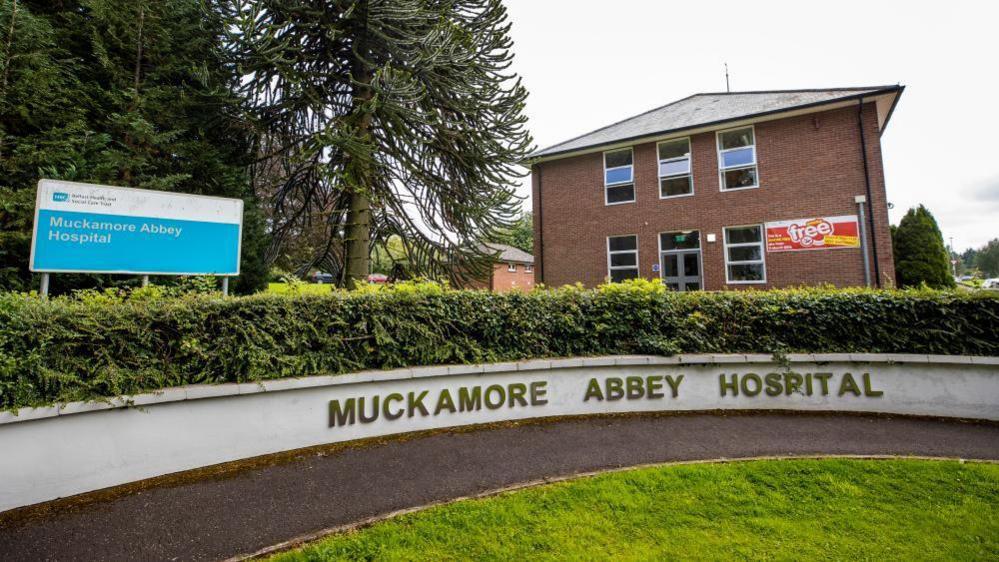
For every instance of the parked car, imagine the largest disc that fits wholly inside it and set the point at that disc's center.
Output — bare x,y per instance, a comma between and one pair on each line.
321,278
991,283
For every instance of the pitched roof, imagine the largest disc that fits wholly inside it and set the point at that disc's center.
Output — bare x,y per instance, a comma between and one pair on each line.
701,110
510,254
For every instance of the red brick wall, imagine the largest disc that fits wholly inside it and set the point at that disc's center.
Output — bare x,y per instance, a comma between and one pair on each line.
809,166
504,280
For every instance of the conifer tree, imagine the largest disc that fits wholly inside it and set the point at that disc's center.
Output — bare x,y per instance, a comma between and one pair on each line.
123,92
398,117
987,258
920,256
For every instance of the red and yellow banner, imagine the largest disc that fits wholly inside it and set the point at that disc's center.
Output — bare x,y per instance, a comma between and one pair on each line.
813,234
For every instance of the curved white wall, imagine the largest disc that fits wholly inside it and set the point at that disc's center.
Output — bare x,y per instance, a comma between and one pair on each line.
56,452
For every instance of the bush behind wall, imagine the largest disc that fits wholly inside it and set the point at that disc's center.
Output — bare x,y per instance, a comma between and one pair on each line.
99,346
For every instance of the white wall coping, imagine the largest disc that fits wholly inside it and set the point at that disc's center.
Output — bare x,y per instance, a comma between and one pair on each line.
199,391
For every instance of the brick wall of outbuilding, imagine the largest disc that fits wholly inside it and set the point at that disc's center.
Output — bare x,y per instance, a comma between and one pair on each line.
504,280
809,166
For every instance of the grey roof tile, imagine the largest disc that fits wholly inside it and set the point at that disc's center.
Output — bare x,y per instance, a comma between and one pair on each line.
510,254
700,110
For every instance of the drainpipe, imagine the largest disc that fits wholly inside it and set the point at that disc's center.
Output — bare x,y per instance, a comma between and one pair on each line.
541,230
867,184
860,199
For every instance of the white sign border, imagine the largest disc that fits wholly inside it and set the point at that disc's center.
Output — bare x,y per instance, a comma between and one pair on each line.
34,233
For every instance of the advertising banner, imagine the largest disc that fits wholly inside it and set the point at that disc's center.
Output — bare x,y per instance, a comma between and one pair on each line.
89,228
813,234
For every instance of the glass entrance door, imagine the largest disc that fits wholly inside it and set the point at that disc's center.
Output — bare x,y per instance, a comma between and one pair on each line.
681,260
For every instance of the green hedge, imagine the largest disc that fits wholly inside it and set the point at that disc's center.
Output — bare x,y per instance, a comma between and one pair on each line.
84,348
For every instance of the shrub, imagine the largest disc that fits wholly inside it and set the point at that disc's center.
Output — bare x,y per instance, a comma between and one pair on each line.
920,255
113,343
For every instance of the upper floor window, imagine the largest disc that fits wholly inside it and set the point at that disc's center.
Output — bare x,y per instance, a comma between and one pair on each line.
511,267
737,159
528,269
744,254
674,168
619,176
622,257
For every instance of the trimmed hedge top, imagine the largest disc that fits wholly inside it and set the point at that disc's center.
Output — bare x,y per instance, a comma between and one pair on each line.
101,345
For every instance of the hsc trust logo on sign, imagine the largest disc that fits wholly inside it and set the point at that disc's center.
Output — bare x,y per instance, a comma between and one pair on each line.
59,197
813,234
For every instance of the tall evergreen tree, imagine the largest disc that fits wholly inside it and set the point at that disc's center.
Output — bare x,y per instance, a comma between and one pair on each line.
968,258
394,117
123,92
920,255
987,258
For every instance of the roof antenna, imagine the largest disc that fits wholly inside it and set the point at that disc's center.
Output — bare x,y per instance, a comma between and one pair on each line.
727,90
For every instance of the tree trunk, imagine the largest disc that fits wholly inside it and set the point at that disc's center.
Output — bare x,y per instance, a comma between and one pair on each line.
359,178
358,239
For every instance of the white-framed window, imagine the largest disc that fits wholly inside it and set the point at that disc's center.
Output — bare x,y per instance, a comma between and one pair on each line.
675,179
737,159
528,268
622,257
744,260
619,176
511,267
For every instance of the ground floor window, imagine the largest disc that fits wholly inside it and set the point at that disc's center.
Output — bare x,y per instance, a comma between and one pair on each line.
622,257
744,262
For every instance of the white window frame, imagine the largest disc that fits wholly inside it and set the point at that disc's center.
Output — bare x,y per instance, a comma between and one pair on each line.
721,169
634,190
763,253
528,268
511,267
690,173
638,264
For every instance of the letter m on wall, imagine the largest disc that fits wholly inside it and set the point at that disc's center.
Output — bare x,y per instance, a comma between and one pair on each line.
343,415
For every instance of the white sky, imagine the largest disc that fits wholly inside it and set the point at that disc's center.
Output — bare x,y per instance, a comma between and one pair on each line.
588,63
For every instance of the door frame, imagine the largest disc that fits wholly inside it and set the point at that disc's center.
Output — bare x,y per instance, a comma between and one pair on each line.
699,250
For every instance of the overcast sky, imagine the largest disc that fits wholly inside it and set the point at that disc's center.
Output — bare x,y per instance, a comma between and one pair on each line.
589,63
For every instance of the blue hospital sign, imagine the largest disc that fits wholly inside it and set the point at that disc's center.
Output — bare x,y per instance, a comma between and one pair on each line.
102,229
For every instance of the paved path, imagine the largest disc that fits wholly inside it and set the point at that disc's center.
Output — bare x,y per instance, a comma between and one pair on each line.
217,518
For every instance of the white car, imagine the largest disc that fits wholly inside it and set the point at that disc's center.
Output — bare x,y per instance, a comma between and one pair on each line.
991,283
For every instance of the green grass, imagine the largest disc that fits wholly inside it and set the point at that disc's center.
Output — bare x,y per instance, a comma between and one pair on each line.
771,510
303,288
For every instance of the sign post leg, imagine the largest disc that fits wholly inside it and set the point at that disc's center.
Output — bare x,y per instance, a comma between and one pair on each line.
225,286
43,290
145,281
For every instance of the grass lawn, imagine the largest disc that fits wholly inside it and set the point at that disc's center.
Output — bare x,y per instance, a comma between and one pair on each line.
785,510
304,288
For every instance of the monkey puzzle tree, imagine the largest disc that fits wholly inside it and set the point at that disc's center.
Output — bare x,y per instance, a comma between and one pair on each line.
398,117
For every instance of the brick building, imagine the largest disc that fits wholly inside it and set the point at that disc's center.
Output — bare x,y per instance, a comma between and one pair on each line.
513,270
724,190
